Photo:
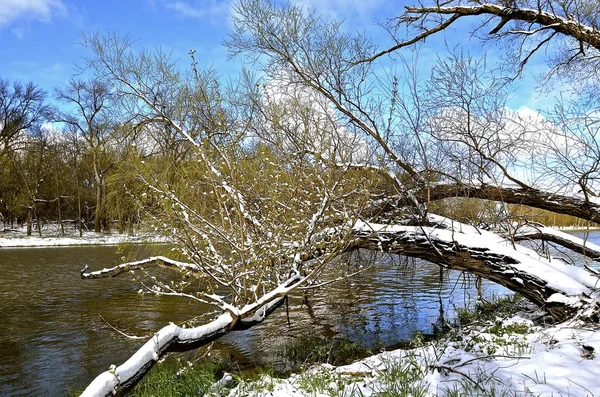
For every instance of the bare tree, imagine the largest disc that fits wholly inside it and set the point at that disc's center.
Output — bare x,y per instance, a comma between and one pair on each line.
22,109
250,225
465,119
91,118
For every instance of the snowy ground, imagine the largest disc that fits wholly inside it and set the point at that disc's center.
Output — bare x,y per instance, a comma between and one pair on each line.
511,357
52,237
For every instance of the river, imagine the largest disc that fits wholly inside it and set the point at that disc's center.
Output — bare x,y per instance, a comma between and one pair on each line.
55,337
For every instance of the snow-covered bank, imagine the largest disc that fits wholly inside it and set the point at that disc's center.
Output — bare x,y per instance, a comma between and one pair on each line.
575,228
510,357
88,238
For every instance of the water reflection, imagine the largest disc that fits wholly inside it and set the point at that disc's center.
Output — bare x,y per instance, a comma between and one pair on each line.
380,307
53,339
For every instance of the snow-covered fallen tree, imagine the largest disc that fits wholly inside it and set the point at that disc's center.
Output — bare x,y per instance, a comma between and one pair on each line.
174,338
260,206
560,288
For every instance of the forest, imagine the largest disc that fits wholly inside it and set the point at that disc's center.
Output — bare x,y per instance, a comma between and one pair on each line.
326,143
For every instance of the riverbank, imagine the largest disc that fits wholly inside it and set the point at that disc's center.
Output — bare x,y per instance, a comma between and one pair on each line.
512,357
88,238
52,237
575,228
515,355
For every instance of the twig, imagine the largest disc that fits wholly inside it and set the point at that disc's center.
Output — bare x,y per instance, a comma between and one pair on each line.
490,356
121,332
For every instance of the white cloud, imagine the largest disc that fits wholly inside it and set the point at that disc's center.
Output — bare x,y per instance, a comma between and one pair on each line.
305,120
342,9
215,10
39,10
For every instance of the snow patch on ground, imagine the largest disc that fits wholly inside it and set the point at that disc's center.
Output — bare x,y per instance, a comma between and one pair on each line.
20,239
506,357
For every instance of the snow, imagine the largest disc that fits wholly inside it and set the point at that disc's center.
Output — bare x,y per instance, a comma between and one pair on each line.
106,382
506,357
150,352
562,277
560,298
89,238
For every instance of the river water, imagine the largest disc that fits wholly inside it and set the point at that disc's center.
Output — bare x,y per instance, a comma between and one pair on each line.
55,337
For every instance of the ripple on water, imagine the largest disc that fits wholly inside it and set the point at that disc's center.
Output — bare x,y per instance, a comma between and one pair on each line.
53,339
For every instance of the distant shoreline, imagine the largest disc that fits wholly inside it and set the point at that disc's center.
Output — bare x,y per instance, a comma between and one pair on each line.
19,239
89,238
574,228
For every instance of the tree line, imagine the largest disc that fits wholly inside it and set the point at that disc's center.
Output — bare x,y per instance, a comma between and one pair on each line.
74,157
70,157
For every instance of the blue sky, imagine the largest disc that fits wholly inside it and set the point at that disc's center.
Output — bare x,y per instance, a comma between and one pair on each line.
39,38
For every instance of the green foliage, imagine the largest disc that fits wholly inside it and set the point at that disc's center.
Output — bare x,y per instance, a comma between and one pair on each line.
516,328
173,377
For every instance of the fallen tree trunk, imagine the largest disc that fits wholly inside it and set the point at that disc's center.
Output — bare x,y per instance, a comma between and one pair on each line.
559,288
172,338
572,205
563,290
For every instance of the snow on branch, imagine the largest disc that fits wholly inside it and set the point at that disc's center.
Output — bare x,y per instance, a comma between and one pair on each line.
167,339
144,263
119,60
483,253
422,16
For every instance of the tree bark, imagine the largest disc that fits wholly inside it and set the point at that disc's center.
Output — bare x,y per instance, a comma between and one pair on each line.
98,181
550,21
29,226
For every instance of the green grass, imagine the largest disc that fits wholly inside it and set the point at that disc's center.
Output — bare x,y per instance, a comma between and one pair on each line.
175,377
490,310
403,378
322,382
